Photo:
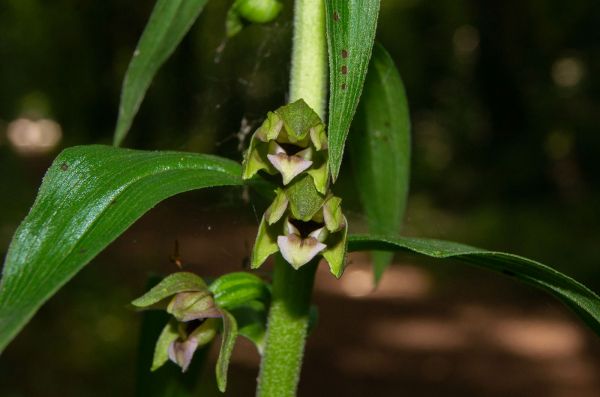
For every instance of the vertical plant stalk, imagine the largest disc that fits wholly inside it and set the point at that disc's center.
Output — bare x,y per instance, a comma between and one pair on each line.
308,78
292,289
286,331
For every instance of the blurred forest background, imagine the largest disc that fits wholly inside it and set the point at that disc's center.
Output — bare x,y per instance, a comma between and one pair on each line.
505,105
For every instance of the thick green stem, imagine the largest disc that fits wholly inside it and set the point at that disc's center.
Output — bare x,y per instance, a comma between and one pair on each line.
308,78
292,289
286,334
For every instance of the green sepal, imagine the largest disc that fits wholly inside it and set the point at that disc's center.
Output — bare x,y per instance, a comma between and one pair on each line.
298,119
230,333
255,159
237,289
171,285
277,208
304,199
265,244
168,335
335,253
187,306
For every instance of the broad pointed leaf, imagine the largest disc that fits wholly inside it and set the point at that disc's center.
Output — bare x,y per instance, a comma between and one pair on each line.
380,147
89,196
584,302
169,22
351,26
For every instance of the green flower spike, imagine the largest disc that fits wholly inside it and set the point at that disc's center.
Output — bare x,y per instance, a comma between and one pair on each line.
291,141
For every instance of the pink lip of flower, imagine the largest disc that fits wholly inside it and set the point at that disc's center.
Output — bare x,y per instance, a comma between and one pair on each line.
290,166
181,352
298,251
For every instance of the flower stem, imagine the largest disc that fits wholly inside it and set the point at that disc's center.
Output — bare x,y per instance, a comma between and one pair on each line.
286,332
292,289
308,78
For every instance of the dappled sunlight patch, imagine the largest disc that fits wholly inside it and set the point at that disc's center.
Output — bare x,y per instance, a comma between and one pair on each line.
538,338
398,281
420,334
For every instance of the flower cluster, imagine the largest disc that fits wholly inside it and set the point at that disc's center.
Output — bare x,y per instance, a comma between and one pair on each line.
233,304
194,313
305,218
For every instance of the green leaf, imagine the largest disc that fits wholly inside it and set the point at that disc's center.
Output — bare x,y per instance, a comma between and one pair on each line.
170,285
230,332
380,147
351,26
169,22
89,196
584,302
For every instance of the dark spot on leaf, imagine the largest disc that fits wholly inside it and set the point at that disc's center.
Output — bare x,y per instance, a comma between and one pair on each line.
113,201
82,251
344,69
508,273
64,166
336,16
343,86
344,53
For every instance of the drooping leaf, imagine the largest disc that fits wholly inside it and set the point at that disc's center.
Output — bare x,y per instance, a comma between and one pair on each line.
351,26
230,332
584,302
89,196
380,147
169,22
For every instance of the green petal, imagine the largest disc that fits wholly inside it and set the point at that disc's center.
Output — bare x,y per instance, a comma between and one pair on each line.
187,306
277,208
332,214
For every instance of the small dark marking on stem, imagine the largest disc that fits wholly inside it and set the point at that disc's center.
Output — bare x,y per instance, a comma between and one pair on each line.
343,86
344,53
336,16
64,166
113,201
344,69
